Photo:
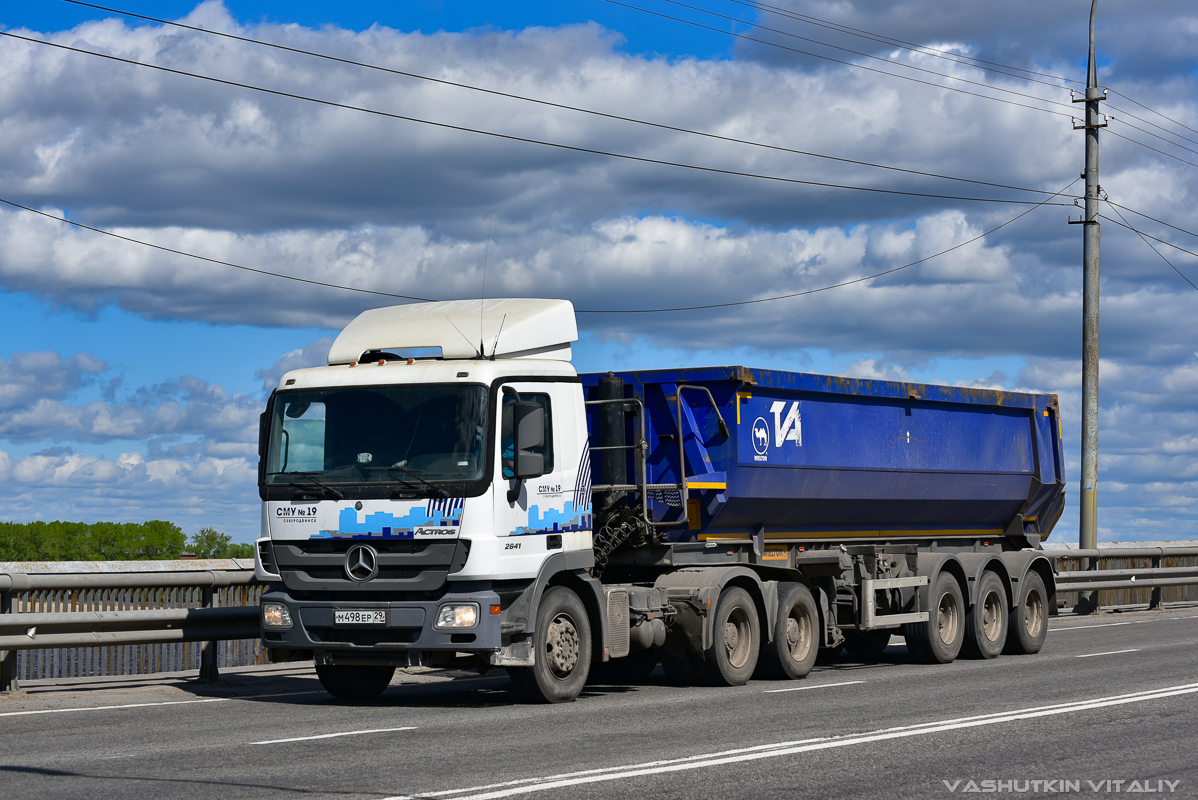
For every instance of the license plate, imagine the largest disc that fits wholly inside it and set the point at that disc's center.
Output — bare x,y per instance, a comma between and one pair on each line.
371,616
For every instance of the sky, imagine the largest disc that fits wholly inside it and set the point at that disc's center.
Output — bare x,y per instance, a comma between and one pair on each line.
724,151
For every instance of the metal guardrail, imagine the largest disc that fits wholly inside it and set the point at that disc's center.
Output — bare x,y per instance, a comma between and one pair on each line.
114,605
1125,579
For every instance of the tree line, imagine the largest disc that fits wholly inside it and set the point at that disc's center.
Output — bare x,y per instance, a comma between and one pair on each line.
113,541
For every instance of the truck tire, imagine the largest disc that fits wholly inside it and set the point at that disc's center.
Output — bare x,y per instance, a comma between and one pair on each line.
561,651
354,681
796,635
1029,617
986,623
939,640
735,639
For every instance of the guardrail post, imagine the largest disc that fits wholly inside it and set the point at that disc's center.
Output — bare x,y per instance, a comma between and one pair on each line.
8,658
209,671
1155,601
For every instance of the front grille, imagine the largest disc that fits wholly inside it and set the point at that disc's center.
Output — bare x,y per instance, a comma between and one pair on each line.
364,638
384,573
316,565
340,546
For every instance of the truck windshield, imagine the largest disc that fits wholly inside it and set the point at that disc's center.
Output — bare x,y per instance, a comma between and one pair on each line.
401,434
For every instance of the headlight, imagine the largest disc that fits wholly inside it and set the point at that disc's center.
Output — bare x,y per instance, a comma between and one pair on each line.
457,615
276,615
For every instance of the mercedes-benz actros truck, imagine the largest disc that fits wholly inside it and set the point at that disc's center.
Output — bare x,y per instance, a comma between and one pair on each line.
448,490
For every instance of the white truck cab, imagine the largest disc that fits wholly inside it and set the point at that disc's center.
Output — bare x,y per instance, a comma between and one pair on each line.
401,524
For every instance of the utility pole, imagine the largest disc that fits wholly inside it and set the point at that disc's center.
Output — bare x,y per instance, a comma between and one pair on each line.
1088,529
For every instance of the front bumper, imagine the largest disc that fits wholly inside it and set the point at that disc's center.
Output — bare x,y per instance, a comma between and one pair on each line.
409,626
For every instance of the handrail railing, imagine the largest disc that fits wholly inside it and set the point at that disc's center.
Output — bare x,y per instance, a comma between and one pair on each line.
40,630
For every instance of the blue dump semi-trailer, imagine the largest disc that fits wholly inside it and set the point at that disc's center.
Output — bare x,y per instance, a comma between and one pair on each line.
489,506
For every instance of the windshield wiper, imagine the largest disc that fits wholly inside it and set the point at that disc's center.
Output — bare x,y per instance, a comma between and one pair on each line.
334,492
415,473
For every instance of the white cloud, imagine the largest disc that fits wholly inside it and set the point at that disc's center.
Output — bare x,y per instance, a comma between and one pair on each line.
338,197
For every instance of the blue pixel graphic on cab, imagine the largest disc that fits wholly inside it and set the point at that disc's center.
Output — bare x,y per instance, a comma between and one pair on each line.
554,521
441,513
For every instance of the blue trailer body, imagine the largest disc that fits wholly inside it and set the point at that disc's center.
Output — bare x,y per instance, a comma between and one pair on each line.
813,457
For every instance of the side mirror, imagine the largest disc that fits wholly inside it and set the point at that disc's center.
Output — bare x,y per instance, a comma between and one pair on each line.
528,424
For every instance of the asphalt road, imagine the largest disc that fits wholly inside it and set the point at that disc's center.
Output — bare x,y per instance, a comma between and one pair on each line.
1109,707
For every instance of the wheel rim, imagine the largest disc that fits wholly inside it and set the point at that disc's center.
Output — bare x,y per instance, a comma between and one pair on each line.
992,616
562,645
798,635
737,637
1033,614
948,619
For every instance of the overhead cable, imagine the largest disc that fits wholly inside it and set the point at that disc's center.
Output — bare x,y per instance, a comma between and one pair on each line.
284,276
549,103
870,56
855,65
1154,111
949,55
710,306
130,239
512,137
1144,238
1150,147
1154,219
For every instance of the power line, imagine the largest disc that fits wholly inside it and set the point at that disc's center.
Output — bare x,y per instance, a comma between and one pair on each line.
1154,111
1144,238
982,235
1155,136
206,258
512,137
953,58
851,64
781,32
919,48
284,276
551,104
1154,219
1153,124
1148,146
1165,242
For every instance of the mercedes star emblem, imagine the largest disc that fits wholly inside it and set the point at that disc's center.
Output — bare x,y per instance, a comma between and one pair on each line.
361,563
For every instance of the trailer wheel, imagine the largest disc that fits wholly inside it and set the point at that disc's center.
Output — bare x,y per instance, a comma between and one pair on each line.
986,623
796,635
1029,620
354,681
561,651
938,641
735,639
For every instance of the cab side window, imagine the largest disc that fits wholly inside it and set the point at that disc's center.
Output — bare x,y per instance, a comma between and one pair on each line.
506,441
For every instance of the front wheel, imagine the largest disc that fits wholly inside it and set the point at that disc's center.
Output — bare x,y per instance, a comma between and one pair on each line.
354,681
1029,617
735,640
561,651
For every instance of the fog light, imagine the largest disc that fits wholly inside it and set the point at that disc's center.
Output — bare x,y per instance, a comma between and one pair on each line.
276,615
458,615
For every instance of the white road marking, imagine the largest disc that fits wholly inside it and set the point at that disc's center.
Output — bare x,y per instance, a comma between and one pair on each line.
816,686
334,735
107,708
1088,627
148,705
1109,653
550,782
